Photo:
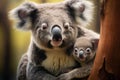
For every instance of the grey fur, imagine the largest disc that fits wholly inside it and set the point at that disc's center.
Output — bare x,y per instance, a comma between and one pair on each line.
81,44
46,58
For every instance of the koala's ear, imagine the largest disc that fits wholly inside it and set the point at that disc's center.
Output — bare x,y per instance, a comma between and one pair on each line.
24,15
81,10
95,43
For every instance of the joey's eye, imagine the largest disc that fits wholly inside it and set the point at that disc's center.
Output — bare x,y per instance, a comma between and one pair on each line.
66,25
75,51
44,26
88,50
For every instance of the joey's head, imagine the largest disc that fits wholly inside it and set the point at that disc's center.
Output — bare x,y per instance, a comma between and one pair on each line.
52,25
85,49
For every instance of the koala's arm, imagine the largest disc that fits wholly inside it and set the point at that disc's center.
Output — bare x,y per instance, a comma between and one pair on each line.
81,72
38,73
33,72
21,71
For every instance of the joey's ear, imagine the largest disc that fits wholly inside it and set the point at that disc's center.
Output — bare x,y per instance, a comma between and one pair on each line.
95,43
81,10
24,15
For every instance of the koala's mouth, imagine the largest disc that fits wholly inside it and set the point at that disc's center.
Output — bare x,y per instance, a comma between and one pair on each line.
82,58
55,43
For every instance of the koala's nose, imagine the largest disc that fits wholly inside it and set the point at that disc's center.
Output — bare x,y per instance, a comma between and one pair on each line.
56,32
81,54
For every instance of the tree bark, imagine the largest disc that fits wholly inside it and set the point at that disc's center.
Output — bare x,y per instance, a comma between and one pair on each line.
107,61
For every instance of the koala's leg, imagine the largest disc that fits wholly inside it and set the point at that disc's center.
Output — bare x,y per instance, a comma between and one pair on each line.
38,73
21,71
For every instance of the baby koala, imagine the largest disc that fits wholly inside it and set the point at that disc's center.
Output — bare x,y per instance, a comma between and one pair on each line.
84,52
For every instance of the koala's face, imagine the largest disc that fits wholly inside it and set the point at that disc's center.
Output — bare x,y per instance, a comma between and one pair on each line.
83,54
85,49
53,25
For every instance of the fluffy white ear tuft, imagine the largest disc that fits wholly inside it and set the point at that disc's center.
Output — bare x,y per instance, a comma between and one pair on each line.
83,11
22,15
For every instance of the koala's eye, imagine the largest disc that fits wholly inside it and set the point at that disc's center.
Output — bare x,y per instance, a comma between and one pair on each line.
75,51
66,26
44,26
88,50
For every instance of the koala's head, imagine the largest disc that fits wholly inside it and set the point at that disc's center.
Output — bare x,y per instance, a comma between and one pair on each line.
85,49
53,25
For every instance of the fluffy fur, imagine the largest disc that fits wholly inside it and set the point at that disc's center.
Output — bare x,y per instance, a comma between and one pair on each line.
85,50
21,15
85,58
86,15
46,61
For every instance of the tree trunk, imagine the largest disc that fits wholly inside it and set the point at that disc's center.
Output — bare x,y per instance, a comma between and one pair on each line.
107,62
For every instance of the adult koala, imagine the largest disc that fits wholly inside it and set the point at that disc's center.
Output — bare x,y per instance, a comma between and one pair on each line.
54,29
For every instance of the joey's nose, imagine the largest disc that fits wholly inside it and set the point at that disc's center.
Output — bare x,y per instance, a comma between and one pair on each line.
81,54
56,32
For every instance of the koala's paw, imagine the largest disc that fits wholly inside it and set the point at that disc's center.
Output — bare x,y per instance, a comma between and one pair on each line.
65,76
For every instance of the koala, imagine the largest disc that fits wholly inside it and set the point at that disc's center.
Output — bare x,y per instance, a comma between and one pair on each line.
54,29
85,50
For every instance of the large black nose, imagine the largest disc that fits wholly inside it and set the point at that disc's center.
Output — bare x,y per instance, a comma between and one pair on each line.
56,32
